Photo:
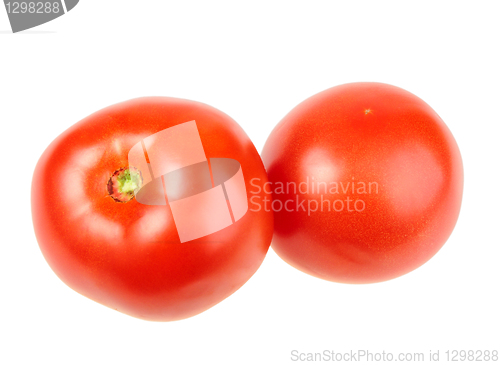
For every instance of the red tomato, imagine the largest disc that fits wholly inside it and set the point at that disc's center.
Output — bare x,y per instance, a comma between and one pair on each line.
381,183
181,247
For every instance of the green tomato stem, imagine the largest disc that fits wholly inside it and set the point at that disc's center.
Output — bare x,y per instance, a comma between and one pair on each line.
124,183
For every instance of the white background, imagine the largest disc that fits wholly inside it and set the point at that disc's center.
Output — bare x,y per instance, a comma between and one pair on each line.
255,61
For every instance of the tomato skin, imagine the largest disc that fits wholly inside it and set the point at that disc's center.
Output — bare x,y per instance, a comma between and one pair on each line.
365,132
128,256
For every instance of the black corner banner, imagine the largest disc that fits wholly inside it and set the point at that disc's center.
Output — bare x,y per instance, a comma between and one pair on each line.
26,14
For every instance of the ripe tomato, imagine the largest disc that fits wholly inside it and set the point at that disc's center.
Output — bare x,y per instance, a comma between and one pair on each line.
367,183
143,207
